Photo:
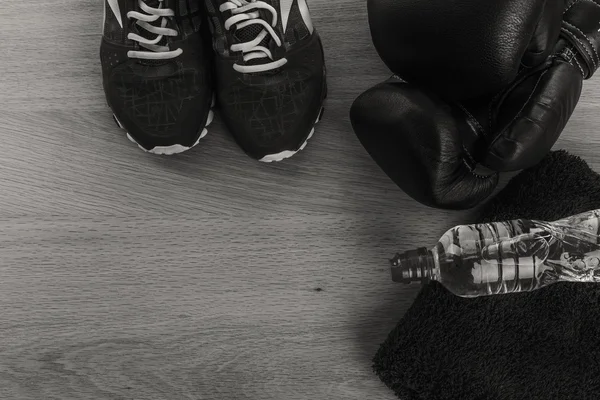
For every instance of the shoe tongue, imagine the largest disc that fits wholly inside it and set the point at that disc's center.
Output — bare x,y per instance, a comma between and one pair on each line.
158,23
250,32
153,3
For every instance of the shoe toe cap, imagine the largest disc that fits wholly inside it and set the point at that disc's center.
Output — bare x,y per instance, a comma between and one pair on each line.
161,111
275,116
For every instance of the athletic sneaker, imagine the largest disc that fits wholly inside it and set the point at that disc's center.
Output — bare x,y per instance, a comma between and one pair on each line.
156,68
270,74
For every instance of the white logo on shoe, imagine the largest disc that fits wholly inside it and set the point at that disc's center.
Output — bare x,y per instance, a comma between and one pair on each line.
114,6
286,8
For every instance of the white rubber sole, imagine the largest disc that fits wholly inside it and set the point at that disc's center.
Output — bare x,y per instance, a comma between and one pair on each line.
176,148
289,153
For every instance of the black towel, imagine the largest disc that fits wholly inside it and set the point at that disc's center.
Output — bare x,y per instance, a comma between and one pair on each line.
540,345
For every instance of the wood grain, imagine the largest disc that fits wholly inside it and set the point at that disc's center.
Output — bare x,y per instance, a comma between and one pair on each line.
205,275
202,308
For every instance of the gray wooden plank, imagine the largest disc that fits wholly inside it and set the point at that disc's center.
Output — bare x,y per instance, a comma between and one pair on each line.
193,308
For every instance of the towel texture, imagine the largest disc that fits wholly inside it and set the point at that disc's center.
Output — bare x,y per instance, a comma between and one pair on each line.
540,345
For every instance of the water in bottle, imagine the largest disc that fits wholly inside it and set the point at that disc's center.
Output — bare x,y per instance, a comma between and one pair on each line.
507,257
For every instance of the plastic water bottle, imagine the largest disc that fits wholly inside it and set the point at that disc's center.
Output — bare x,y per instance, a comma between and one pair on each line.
507,257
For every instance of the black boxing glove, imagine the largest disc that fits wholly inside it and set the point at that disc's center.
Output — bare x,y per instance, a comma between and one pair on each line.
509,130
463,49
433,167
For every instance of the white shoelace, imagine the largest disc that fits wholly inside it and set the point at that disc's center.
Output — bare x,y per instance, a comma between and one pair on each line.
245,13
144,21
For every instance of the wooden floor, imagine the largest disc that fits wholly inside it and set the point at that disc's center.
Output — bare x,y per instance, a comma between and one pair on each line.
201,276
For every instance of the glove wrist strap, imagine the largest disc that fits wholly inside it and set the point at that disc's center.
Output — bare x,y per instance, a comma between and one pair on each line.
581,29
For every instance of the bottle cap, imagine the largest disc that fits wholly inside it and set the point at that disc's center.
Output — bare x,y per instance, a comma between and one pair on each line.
412,266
